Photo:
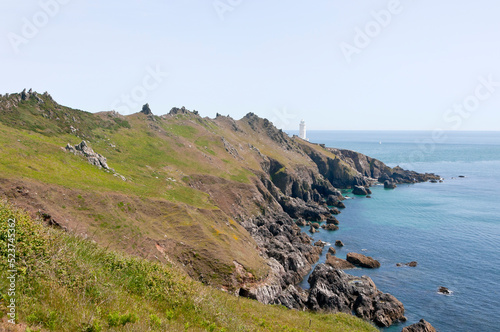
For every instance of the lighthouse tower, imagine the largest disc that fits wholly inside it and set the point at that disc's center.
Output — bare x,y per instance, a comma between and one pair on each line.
302,129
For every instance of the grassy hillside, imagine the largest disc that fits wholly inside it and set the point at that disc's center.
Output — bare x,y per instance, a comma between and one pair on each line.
155,207
67,283
187,179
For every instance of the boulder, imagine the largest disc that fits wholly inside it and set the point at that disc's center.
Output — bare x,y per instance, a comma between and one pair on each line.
444,290
359,190
331,227
333,290
301,222
312,230
332,220
362,260
338,263
422,326
332,200
339,243
315,225
340,205
332,251
389,184
334,211
320,243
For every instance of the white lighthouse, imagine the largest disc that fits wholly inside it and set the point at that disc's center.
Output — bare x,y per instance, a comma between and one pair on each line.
302,129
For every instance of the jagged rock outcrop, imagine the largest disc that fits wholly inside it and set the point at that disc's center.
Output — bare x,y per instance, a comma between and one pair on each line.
146,110
230,149
284,242
92,157
287,190
362,260
421,326
375,169
334,290
388,184
297,208
176,110
360,190
335,170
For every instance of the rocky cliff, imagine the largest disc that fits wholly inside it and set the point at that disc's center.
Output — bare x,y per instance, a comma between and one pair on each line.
215,196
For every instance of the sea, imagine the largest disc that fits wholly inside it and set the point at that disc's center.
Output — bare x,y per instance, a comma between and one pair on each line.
452,229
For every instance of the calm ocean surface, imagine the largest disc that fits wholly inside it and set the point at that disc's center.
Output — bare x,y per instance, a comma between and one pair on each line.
452,229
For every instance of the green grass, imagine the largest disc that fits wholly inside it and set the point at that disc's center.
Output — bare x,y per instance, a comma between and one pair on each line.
66,283
182,130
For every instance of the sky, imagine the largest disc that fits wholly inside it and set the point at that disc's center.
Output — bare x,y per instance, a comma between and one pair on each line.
339,65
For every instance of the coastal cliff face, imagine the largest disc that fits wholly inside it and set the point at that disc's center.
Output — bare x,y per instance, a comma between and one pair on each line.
217,197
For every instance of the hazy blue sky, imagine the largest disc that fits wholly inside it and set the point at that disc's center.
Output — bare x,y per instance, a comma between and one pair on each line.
337,64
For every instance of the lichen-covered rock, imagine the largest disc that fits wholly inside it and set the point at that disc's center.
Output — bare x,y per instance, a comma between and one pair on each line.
92,157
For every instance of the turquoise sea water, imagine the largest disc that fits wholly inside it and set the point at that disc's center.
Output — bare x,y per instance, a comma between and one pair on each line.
452,229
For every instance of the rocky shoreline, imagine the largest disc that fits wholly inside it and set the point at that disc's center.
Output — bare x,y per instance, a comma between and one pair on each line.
311,196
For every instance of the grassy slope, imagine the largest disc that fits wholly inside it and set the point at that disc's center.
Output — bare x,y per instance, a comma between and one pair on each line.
111,291
156,214
159,156
154,204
